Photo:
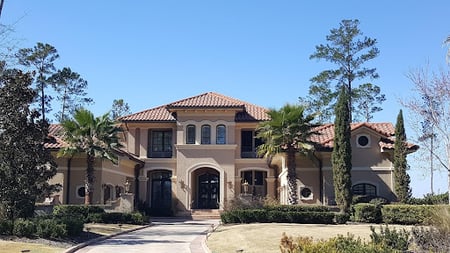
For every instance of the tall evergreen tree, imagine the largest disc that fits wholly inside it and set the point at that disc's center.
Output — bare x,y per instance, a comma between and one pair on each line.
349,51
341,157
401,177
71,92
120,108
25,164
41,58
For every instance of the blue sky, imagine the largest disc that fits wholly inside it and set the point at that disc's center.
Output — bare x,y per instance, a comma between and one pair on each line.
151,53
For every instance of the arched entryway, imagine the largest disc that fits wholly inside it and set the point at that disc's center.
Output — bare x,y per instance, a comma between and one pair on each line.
207,190
160,192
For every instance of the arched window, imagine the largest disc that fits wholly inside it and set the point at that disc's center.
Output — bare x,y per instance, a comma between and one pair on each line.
221,134
206,134
190,134
364,189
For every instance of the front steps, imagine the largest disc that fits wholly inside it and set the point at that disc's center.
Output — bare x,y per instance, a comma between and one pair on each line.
205,214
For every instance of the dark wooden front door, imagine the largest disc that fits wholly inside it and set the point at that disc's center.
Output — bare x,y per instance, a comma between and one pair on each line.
208,191
161,202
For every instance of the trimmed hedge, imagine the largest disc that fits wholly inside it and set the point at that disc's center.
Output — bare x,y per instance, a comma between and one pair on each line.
6,227
263,216
77,210
368,213
116,218
297,208
409,214
50,228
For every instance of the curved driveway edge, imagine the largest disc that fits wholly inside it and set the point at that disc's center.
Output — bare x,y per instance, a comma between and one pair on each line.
101,238
164,236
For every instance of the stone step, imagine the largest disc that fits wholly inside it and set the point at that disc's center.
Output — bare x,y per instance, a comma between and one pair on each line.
204,214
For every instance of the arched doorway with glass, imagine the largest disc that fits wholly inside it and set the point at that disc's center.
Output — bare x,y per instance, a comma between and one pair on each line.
160,192
207,188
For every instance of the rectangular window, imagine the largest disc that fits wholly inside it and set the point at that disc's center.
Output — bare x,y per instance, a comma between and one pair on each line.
190,134
160,144
249,144
221,134
206,134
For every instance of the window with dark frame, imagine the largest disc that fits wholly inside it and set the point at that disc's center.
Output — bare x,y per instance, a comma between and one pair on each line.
160,144
221,134
249,144
206,134
364,189
190,134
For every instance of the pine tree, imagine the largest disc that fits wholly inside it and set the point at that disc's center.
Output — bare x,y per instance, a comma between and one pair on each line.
25,164
341,157
401,177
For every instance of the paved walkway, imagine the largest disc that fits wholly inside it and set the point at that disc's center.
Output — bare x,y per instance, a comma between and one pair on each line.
165,236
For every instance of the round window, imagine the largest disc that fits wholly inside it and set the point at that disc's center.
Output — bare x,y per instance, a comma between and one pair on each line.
306,192
363,141
81,192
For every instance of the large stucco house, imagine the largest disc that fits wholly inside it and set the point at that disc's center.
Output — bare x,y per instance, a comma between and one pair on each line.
200,153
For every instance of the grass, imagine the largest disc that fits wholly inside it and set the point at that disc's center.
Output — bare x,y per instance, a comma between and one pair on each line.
94,229
9,246
265,237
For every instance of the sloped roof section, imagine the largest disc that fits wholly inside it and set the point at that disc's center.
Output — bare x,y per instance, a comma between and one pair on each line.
210,100
54,139
325,137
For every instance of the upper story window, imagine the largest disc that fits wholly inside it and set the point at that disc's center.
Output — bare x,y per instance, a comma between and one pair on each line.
363,141
249,144
160,143
190,134
206,134
364,189
221,134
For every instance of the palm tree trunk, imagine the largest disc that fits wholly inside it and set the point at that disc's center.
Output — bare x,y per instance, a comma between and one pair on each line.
89,180
291,177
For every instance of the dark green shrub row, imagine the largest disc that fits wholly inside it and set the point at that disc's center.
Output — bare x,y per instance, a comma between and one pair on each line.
116,218
430,199
261,215
77,210
368,213
43,227
395,214
297,208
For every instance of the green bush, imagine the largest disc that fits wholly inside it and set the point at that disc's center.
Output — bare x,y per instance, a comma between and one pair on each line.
341,218
6,227
297,208
77,210
74,224
24,228
368,213
391,238
229,217
408,214
135,218
259,215
50,228
430,199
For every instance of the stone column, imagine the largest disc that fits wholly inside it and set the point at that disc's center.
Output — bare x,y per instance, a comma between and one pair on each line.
271,187
143,188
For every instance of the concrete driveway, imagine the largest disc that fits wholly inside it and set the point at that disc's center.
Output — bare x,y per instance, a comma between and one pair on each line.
165,236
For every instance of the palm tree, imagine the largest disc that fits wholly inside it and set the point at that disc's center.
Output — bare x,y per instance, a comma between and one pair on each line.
96,137
289,131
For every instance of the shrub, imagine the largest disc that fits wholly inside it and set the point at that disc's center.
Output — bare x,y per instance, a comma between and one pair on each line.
74,225
368,213
297,208
430,239
341,218
50,228
390,238
6,227
24,228
261,215
77,210
116,217
409,214
430,199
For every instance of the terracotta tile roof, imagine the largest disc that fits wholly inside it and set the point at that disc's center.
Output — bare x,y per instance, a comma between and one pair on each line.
210,100
54,140
325,137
